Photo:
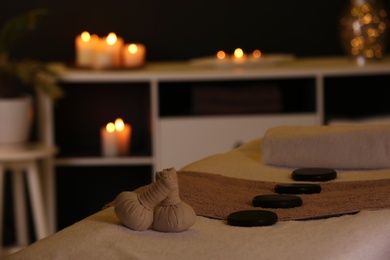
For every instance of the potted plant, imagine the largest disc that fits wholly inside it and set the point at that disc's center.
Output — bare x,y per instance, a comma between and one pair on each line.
19,79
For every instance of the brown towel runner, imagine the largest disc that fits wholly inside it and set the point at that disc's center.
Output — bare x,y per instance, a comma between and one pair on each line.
217,196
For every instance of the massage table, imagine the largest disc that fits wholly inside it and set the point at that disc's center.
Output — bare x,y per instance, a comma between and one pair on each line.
362,234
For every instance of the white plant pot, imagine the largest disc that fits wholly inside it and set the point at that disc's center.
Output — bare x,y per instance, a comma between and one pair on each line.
16,116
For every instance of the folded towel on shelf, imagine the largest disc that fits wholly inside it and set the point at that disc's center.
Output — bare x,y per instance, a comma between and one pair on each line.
338,147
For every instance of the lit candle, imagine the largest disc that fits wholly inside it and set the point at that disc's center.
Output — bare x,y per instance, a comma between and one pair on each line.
221,55
107,52
84,49
239,56
102,57
115,138
222,58
109,139
133,55
115,44
255,57
256,54
124,136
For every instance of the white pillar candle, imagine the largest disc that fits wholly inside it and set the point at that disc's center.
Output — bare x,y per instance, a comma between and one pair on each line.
114,46
102,57
133,55
85,44
124,136
117,52
109,140
107,52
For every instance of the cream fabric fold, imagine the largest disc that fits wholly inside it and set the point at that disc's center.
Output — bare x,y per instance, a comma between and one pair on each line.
338,147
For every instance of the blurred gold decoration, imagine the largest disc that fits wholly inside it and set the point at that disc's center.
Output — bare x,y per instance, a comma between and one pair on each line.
363,30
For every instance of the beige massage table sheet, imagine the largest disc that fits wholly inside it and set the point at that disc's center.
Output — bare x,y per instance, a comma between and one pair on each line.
365,235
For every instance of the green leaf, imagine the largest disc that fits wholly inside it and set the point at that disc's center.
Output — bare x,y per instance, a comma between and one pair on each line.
18,27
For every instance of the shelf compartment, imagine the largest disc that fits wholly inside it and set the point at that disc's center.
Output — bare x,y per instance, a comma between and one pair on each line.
356,97
235,97
87,107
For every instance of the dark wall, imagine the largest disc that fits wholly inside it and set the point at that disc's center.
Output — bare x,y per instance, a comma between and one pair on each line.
180,30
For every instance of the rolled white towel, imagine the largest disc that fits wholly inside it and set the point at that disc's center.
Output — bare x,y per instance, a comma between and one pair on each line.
338,147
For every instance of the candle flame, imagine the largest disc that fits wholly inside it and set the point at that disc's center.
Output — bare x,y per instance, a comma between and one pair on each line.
256,54
221,55
119,124
238,53
133,48
111,38
85,36
94,37
110,127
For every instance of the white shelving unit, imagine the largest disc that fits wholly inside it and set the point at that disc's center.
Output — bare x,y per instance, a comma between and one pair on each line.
179,140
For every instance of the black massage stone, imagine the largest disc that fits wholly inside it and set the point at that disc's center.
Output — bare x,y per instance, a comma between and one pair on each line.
252,218
297,188
277,201
314,174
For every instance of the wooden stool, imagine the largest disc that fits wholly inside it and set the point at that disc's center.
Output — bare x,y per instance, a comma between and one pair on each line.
24,160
